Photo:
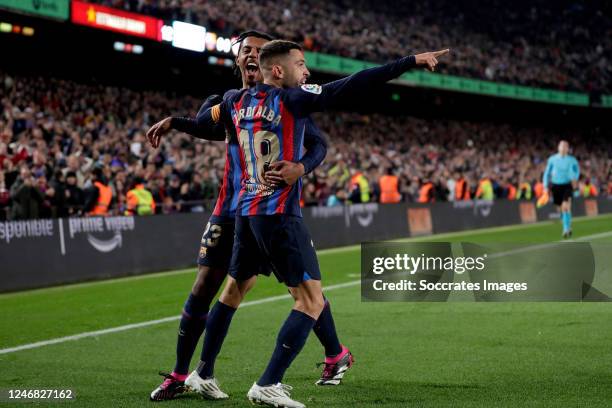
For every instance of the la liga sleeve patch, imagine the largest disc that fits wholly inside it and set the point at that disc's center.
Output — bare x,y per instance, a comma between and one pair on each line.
312,88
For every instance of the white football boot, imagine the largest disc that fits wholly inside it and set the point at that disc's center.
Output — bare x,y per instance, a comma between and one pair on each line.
207,387
275,395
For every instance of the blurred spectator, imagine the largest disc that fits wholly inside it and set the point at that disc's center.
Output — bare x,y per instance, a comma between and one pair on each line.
586,188
26,196
485,190
562,44
140,200
420,148
336,198
309,196
389,192
359,187
99,195
4,198
74,196
427,191
461,188
54,133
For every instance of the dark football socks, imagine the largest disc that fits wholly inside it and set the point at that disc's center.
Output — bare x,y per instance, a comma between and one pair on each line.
217,325
193,322
325,329
289,343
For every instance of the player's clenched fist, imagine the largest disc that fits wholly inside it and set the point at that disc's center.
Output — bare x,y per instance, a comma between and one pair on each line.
430,59
159,129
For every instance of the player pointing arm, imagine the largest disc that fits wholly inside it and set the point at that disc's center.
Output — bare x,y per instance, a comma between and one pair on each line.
285,65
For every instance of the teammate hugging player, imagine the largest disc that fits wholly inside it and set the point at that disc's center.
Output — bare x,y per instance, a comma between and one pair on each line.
217,240
562,172
268,124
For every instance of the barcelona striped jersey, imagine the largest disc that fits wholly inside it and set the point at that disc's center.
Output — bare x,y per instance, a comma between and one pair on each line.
231,185
265,132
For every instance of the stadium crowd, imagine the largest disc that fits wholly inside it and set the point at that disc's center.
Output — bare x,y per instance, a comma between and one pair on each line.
60,139
559,44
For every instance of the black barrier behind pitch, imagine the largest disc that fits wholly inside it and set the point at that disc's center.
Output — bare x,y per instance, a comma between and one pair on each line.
39,253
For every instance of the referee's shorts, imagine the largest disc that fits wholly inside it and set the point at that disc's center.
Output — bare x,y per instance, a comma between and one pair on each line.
561,192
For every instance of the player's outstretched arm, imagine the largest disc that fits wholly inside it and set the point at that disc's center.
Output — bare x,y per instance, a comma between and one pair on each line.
313,98
158,130
195,127
289,172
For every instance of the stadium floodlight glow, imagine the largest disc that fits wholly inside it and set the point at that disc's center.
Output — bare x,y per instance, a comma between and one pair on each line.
211,41
196,38
189,36
6,28
167,33
226,62
224,45
129,48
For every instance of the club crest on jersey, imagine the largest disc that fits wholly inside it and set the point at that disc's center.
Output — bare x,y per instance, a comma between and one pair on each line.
312,88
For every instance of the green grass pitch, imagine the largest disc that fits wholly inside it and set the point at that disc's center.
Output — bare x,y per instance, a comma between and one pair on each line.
407,354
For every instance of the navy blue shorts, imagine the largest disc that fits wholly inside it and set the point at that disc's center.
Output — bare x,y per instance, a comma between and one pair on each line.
281,241
216,245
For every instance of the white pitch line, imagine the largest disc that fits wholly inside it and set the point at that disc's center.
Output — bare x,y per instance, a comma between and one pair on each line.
549,245
173,318
126,327
593,236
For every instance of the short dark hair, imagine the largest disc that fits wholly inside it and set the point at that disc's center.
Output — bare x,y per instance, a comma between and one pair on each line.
277,48
251,33
243,36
